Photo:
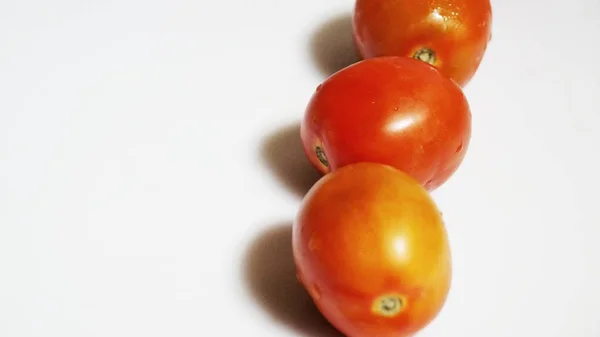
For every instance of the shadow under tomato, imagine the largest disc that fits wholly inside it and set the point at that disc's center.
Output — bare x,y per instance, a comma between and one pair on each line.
332,46
282,153
270,275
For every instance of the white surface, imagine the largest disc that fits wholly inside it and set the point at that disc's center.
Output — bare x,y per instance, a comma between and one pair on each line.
149,173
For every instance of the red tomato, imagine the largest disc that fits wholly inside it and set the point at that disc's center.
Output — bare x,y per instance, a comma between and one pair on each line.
391,110
371,248
449,34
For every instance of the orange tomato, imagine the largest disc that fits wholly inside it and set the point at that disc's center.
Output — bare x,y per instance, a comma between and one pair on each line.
391,110
371,248
449,34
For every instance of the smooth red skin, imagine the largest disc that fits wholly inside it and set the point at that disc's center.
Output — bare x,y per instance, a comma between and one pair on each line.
346,254
391,110
457,30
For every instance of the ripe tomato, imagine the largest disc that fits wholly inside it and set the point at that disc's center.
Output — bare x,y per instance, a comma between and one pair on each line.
391,110
371,248
449,34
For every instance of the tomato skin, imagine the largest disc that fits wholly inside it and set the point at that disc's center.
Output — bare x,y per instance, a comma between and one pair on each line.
391,110
457,31
369,230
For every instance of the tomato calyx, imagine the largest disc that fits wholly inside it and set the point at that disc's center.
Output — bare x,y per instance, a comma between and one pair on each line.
426,55
321,156
389,305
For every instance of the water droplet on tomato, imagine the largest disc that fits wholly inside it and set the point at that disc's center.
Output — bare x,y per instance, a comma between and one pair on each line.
460,147
316,292
428,183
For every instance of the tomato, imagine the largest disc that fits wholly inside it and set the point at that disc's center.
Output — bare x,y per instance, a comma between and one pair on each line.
371,248
449,34
391,110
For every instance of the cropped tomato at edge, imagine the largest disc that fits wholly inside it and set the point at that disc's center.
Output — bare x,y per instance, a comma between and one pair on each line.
371,248
451,35
391,110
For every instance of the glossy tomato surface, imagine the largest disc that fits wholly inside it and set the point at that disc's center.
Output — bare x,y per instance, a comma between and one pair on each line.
450,34
371,248
391,110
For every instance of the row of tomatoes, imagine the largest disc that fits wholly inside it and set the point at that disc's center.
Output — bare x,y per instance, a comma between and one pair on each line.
369,242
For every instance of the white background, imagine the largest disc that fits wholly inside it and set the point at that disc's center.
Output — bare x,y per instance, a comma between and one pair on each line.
150,167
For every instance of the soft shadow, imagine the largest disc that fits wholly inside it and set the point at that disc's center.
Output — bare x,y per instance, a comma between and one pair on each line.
332,45
283,154
271,278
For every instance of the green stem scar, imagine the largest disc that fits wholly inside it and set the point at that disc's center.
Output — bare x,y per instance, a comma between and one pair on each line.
426,55
389,305
321,155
